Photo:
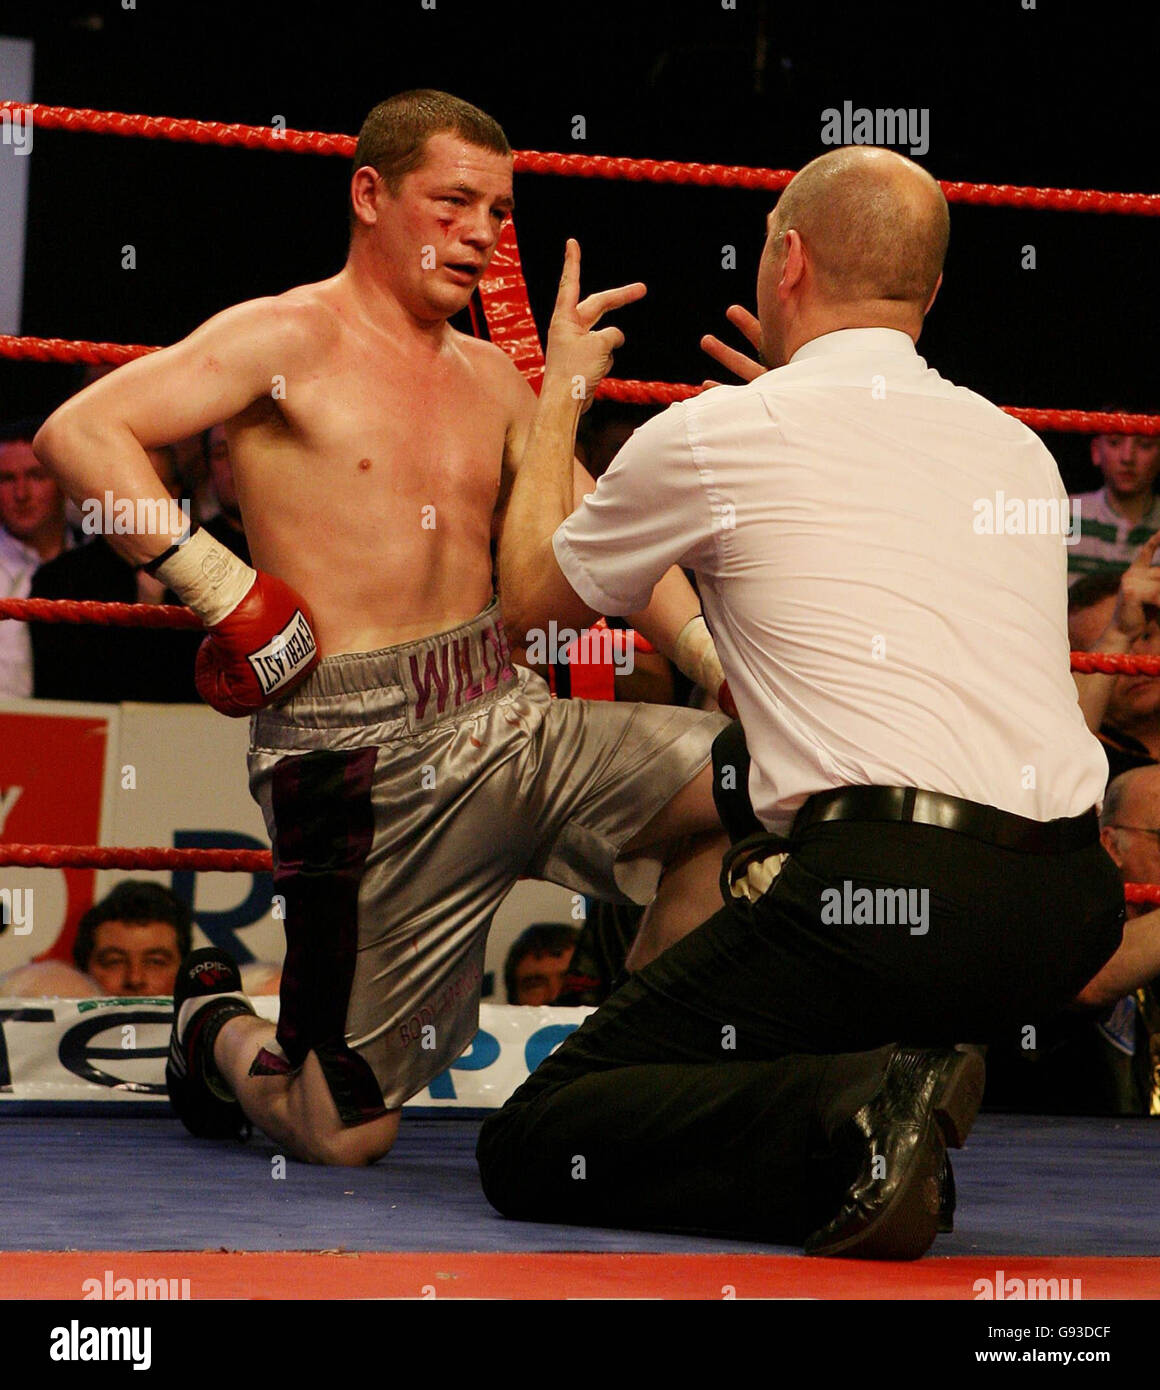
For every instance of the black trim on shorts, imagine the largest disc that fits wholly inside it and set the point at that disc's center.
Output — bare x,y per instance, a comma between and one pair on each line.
324,825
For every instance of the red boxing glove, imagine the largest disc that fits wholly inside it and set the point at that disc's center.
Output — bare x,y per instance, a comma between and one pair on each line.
261,651
725,701
260,643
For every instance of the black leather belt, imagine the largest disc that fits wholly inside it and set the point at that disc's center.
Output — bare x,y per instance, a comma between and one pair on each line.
985,823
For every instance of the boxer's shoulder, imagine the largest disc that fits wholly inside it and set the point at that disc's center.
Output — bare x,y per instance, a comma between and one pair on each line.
306,317
499,380
490,363
296,323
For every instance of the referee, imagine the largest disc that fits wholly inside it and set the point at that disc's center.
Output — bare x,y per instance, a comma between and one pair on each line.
896,644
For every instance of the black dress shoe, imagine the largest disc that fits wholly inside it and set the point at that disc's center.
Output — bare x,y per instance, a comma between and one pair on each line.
946,1197
895,1206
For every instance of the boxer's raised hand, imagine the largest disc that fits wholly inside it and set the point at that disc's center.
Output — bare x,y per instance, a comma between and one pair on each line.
579,353
745,367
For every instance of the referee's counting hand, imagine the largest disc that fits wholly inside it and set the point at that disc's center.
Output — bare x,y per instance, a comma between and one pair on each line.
747,368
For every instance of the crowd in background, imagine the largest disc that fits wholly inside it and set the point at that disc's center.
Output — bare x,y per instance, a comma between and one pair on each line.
45,552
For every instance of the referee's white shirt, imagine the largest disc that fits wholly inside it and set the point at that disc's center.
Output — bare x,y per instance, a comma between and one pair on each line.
859,530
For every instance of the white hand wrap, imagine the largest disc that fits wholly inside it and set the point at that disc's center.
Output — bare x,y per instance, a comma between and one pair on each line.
208,577
696,656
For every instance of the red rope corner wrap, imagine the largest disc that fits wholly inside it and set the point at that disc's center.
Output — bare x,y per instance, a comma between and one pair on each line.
508,311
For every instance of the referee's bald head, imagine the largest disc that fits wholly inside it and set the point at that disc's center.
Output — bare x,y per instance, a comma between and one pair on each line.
873,224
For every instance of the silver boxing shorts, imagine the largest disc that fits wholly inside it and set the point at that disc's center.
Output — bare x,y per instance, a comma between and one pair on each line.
404,792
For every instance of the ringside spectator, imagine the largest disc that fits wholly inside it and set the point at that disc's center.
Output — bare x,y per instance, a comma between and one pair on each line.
1117,518
132,941
537,962
1117,613
32,530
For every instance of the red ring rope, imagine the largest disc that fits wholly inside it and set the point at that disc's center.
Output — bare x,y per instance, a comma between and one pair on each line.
100,614
527,354
62,610
570,165
116,857
1114,664
34,856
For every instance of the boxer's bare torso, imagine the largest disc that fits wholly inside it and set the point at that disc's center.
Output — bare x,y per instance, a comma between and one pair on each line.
368,478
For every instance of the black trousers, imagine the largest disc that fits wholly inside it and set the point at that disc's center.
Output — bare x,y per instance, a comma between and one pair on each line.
713,1091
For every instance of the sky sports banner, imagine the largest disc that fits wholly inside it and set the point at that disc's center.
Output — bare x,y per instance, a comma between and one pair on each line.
112,1051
